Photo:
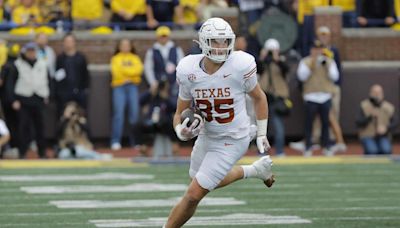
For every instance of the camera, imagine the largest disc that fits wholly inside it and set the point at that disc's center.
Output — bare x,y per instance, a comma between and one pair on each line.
322,60
269,57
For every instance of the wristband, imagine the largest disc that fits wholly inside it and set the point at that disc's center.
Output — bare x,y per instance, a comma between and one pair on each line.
262,126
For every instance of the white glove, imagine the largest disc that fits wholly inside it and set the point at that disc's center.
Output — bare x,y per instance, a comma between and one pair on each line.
185,133
263,144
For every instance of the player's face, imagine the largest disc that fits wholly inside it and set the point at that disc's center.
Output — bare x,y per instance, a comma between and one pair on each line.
219,46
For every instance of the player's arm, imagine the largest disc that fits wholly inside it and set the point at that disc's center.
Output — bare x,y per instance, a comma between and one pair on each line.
260,102
261,109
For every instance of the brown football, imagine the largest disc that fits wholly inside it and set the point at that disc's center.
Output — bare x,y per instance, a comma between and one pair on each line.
189,113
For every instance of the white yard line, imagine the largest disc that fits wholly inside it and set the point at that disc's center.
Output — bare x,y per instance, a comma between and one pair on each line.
271,199
143,203
208,221
139,187
359,218
200,210
41,224
75,177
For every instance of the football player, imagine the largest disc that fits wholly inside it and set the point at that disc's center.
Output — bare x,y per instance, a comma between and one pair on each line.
217,81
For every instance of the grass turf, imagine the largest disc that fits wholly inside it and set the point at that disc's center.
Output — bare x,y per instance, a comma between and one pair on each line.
329,195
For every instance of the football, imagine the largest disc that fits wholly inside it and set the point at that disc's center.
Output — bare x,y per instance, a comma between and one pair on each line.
190,113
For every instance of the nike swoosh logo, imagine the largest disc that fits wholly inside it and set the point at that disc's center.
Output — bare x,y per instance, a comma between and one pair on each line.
227,75
228,144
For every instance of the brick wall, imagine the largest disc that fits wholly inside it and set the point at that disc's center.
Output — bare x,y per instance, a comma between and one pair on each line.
100,50
332,18
368,44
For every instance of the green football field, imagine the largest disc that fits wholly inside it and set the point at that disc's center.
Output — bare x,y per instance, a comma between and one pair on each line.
337,194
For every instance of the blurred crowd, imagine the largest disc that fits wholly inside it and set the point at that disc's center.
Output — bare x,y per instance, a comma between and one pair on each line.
143,14
32,76
24,17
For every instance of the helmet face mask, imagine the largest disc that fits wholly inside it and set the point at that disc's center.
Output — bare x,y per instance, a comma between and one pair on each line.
216,39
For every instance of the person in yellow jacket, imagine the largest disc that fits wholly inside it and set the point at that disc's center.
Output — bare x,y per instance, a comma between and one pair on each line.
27,13
397,10
84,12
126,74
129,14
190,11
54,10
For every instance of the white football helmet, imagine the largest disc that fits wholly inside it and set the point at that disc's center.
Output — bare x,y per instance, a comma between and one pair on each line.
216,29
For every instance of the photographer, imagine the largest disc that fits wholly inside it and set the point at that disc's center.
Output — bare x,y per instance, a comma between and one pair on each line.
73,141
274,83
318,74
375,122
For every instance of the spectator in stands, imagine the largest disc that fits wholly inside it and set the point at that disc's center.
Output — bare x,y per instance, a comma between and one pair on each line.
86,13
241,43
330,51
54,10
4,137
46,52
163,11
126,71
283,5
206,8
397,10
72,135
5,15
375,13
7,91
274,83
129,14
305,17
27,13
161,61
157,119
318,74
3,52
72,75
375,122
190,13
250,12
349,14
30,96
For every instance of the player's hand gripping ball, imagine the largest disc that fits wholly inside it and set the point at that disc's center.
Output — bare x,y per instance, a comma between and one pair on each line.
193,114
192,122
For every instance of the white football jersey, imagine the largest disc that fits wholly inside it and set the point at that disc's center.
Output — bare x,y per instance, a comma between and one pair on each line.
221,96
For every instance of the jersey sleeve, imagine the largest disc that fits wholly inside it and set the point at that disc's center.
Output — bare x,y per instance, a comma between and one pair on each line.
183,83
249,74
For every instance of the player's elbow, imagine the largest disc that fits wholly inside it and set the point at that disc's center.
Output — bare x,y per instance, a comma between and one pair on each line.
260,97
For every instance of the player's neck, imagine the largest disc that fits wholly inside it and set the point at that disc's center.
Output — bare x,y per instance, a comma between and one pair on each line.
210,67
